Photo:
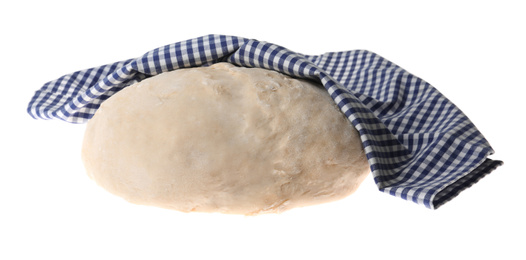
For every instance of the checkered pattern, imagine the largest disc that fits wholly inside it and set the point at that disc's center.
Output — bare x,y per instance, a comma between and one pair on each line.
420,146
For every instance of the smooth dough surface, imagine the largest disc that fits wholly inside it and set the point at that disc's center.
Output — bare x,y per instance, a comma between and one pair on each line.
224,139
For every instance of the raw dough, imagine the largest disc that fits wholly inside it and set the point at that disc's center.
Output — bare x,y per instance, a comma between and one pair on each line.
224,139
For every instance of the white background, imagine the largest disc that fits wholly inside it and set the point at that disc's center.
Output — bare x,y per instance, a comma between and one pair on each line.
473,52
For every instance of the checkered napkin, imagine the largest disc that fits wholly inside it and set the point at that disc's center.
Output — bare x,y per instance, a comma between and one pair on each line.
419,145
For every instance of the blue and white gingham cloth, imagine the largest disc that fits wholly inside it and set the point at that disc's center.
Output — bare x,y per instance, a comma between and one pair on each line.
419,145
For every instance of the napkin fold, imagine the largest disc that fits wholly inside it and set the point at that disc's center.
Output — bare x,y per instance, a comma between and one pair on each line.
419,145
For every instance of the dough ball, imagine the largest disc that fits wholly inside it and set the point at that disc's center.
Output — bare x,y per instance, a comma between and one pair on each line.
224,139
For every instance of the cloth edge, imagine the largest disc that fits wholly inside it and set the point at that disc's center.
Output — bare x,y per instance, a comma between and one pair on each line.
454,189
